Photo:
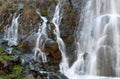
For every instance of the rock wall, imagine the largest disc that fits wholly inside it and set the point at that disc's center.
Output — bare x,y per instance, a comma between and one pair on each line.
29,23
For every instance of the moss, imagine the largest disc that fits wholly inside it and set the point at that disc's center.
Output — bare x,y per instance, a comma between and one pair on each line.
68,6
2,78
2,49
19,46
1,72
15,70
15,74
21,28
43,11
53,1
1,3
6,57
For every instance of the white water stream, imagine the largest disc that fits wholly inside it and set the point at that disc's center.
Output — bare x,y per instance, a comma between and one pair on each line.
56,21
41,36
11,32
98,42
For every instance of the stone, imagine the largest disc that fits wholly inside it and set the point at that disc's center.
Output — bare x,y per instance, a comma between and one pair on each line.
52,49
52,26
29,76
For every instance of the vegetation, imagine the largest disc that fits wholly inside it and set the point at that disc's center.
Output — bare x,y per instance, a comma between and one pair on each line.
16,73
14,70
44,11
53,1
6,57
19,46
2,49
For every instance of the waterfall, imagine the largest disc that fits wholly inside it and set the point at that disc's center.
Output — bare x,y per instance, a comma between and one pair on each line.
97,39
41,36
11,32
56,21
98,43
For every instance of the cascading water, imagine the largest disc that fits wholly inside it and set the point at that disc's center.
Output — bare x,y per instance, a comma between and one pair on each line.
42,35
11,33
98,42
56,21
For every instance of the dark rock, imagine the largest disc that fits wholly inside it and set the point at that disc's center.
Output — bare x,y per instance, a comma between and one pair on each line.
52,26
67,28
52,50
9,50
85,55
17,60
50,30
27,48
4,62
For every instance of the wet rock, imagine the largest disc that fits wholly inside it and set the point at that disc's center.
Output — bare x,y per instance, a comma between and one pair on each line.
61,76
27,48
4,62
6,67
30,76
77,4
17,60
52,26
9,50
50,30
26,59
51,47
67,28
47,7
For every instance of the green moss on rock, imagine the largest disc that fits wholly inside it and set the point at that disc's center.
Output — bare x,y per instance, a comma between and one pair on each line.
16,72
2,49
6,57
53,1
1,3
43,11
19,46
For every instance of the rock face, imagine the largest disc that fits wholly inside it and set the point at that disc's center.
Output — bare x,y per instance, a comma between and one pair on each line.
29,23
67,27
